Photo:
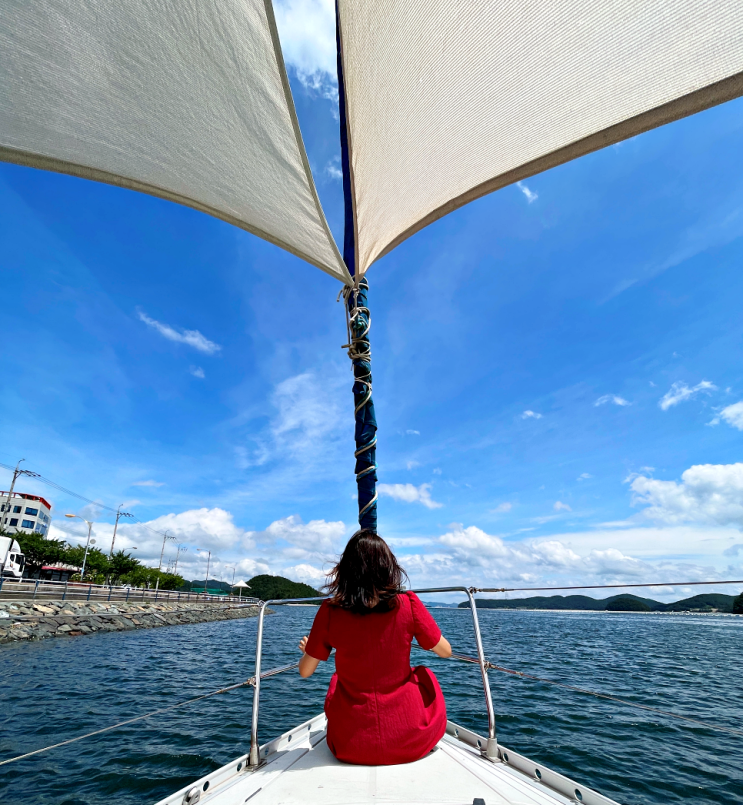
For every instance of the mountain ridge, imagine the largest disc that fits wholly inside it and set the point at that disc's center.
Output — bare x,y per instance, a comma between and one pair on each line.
704,602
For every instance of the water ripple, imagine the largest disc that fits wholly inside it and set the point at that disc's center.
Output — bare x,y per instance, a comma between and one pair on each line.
57,689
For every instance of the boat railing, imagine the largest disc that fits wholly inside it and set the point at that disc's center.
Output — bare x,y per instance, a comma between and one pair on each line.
39,590
490,750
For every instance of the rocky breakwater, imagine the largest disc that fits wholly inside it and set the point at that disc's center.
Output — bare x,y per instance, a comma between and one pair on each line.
37,621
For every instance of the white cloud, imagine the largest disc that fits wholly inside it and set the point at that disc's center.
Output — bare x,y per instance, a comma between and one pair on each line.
412,464
437,470
733,415
561,507
307,33
530,415
679,392
308,413
333,170
530,194
611,398
473,542
502,508
584,476
317,536
148,483
247,568
412,433
197,371
408,493
306,573
191,337
708,493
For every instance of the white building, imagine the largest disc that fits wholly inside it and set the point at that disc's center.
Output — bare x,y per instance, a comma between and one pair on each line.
26,513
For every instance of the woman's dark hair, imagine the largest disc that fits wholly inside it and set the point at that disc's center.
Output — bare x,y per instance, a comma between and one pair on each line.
367,577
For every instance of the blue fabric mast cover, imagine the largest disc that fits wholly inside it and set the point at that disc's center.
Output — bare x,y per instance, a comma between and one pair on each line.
359,323
366,422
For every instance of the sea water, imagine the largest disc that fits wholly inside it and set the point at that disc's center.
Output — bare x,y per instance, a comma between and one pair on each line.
56,689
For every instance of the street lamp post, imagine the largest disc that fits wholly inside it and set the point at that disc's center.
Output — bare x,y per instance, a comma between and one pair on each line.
165,539
234,570
87,544
208,560
119,514
183,548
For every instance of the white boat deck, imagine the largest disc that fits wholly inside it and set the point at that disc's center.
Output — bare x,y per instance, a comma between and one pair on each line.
300,770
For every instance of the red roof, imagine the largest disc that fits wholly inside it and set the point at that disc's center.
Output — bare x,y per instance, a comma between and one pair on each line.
29,497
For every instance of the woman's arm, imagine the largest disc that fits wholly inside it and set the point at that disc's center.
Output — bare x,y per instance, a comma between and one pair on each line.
308,665
442,649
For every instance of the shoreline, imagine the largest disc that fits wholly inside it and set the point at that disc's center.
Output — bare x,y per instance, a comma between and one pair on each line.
40,621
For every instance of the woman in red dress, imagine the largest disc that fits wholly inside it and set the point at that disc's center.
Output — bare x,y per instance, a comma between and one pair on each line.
380,710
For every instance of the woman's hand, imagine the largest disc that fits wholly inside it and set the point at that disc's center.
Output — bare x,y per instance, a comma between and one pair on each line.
307,665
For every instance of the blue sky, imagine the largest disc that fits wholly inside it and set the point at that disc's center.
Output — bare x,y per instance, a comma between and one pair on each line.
557,366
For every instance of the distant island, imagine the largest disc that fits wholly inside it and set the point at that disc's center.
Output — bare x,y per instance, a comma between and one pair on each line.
626,602
264,587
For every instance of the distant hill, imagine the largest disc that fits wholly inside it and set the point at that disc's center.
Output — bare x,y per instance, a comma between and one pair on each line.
702,603
441,604
197,586
263,587
625,602
268,587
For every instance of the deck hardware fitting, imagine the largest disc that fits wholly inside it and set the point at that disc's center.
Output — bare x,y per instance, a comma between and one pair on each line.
193,795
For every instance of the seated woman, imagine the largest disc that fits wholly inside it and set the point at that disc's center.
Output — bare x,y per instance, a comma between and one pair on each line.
380,710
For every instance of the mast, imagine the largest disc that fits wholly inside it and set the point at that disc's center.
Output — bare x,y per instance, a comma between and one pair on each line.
358,322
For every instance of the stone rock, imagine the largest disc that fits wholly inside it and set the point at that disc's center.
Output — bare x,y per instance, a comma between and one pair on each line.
64,628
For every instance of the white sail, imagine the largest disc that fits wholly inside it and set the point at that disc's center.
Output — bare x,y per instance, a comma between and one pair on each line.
447,100
184,99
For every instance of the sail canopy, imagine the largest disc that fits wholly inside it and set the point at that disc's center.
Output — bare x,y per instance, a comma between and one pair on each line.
444,100
184,99
447,101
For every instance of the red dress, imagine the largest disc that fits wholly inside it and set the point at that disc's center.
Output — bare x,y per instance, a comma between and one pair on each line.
380,710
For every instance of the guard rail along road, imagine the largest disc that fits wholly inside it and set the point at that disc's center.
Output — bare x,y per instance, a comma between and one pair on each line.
37,590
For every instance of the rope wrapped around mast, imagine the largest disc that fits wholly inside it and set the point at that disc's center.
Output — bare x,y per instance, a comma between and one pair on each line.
358,322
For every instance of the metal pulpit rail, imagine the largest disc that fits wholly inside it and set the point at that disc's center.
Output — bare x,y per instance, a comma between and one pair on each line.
490,751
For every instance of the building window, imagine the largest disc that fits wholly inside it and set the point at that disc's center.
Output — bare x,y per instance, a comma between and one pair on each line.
32,512
27,524
16,509
13,521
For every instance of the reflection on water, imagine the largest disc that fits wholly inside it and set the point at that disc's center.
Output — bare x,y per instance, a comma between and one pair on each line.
56,689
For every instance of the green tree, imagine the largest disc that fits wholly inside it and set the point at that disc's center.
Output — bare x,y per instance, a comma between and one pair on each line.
738,605
96,565
142,576
170,581
37,550
120,564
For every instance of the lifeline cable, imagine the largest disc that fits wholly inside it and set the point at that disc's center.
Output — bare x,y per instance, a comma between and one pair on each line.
493,667
603,586
250,681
